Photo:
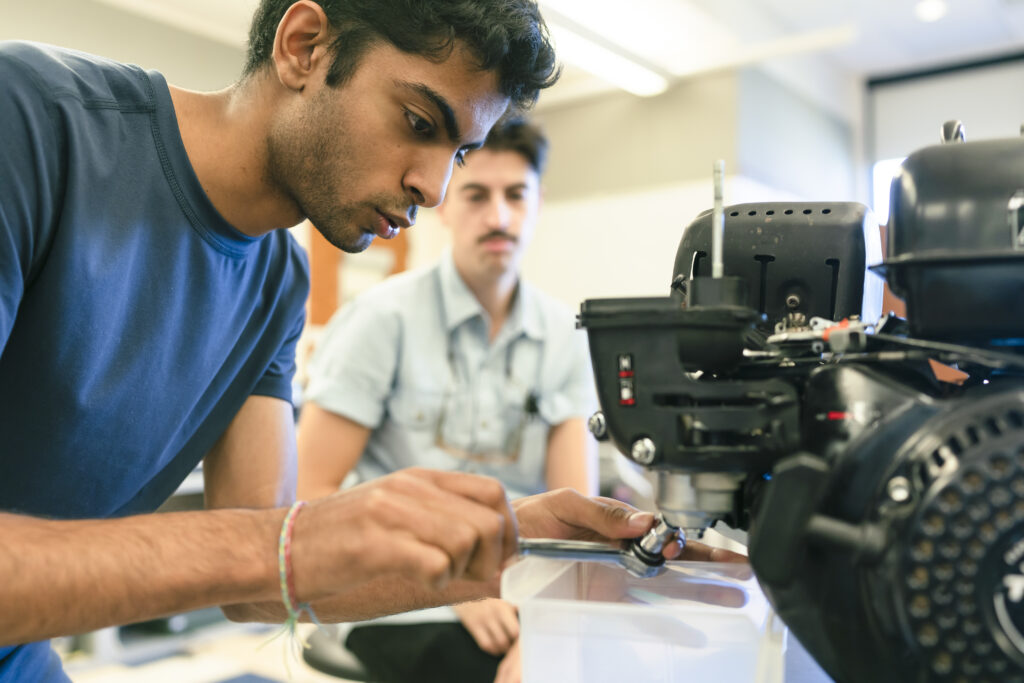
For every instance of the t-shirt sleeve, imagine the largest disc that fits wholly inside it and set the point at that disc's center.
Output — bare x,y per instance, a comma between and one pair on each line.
30,180
353,368
574,395
277,379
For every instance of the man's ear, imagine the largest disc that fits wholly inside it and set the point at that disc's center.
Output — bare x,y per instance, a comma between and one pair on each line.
301,45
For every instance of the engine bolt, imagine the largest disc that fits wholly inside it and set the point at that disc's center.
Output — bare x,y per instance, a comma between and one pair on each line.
643,451
899,489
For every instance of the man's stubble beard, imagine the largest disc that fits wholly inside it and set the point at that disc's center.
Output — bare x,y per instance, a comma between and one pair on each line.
307,164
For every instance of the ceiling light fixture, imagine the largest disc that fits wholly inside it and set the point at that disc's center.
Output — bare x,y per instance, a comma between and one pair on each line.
929,11
596,55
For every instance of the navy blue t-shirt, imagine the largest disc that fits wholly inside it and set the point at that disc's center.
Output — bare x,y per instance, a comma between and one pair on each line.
134,320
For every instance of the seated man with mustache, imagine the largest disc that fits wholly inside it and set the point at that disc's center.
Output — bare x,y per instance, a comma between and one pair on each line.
474,370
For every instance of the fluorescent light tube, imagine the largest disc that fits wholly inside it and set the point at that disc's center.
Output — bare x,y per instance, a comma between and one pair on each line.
605,63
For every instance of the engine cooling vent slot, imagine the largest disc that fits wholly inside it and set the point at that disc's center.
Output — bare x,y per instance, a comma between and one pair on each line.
946,457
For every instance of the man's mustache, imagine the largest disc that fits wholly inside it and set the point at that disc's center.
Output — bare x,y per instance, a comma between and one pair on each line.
497,234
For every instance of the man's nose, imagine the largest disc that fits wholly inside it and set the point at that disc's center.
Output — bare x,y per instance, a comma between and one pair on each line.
427,181
498,214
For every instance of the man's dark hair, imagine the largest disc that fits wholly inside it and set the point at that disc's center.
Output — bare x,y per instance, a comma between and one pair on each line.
518,135
508,36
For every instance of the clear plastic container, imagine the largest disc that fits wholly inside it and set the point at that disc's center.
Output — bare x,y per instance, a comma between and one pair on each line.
593,622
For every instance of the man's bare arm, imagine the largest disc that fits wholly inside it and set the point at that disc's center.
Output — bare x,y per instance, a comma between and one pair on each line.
571,458
427,528
329,446
63,577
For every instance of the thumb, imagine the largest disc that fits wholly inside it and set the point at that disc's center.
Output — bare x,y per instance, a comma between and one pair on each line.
615,519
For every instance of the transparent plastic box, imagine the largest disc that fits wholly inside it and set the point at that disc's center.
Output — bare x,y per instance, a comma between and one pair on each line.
593,622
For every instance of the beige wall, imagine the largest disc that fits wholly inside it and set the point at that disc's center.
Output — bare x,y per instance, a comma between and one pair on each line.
187,60
907,115
620,143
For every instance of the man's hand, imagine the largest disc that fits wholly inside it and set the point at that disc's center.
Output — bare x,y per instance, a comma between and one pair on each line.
510,670
419,524
567,514
492,623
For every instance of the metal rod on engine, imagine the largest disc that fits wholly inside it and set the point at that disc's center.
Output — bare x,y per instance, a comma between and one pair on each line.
718,222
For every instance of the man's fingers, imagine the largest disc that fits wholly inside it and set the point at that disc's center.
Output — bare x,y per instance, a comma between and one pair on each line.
406,528
624,520
486,639
701,552
673,549
499,637
612,521
509,621
475,531
491,622
429,527
420,561
457,528
488,635
484,491
599,518
510,668
480,525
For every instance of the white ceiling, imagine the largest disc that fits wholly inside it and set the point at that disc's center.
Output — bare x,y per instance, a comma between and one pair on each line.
864,38
890,37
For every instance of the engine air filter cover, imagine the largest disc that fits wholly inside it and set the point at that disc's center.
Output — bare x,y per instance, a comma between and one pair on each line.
956,242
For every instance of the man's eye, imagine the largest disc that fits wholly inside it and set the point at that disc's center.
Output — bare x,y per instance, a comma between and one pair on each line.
515,196
419,124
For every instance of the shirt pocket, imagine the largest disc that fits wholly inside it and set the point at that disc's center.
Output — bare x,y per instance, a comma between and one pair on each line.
415,410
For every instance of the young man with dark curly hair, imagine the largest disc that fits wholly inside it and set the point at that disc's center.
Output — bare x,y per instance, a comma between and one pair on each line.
150,302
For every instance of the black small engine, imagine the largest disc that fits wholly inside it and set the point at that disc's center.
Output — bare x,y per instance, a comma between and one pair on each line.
885,507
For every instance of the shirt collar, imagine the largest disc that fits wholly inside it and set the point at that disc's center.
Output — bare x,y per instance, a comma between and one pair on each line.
460,304
527,311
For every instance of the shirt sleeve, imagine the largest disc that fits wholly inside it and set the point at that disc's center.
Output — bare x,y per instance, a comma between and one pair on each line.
352,370
574,395
277,380
30,180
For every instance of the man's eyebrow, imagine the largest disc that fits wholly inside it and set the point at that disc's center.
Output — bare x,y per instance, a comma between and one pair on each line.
447,113
484,188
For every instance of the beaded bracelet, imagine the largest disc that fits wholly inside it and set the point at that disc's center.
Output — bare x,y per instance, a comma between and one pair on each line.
284,567
288,594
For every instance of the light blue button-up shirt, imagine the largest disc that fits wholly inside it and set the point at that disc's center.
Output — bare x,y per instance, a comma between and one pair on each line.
411,359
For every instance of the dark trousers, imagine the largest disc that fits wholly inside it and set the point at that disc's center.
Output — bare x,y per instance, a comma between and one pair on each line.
421,653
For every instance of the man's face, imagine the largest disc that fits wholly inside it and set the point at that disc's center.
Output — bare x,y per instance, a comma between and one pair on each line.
360,158
491,209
